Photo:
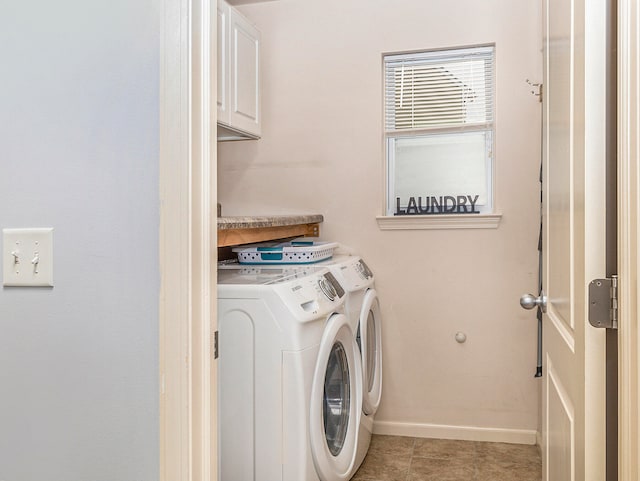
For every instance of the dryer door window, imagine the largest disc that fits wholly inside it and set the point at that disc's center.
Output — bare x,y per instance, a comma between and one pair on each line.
372,348
370,327
336,399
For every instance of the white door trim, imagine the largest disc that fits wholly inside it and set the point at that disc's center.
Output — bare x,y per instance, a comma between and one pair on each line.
187,241
628,238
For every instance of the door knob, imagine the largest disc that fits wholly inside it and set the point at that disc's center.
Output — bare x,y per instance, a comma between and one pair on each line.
529,301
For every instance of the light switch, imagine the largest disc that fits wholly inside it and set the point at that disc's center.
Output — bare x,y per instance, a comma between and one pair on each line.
27,257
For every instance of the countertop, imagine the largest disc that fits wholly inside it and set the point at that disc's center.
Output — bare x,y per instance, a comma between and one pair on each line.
257,222
237,230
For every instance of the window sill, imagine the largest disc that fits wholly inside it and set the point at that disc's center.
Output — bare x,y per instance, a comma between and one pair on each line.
420,222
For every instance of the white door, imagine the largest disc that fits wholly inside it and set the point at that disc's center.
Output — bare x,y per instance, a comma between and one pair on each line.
573,411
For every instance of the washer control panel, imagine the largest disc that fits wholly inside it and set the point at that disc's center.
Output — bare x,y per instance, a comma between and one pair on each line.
318,292
330,286
327,289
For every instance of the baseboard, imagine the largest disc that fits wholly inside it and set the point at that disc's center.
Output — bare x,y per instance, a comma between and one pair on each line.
465,433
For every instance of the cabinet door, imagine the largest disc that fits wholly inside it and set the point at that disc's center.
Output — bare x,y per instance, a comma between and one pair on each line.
244,107
223,62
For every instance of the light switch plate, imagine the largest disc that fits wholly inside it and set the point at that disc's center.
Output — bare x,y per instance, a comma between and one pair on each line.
27,257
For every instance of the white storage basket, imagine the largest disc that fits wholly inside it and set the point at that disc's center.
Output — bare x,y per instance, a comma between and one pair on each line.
296,252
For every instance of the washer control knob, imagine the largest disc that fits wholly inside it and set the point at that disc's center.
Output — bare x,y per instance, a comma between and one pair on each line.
327,288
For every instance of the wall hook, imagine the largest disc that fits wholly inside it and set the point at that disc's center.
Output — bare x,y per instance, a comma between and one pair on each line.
536,89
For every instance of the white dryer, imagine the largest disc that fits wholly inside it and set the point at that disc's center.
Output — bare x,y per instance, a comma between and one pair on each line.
363,309
289,376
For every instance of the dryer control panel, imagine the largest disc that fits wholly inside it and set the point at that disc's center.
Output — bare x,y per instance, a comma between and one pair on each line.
364,270
353,274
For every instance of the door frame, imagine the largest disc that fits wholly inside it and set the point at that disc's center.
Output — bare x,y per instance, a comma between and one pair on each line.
187,236
628,238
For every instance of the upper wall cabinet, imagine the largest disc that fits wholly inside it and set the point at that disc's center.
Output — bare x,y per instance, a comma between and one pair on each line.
239,115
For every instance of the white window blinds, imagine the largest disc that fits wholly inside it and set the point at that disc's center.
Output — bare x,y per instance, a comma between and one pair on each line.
439,89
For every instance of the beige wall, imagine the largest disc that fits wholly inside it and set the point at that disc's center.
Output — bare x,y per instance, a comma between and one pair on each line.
322,152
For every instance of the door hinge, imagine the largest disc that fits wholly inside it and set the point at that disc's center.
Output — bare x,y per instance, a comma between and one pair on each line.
215,345
603,303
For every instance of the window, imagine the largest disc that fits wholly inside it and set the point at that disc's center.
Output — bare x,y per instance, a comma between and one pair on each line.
439,131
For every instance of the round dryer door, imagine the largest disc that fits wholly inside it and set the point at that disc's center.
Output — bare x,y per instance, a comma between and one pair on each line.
370,327
336,397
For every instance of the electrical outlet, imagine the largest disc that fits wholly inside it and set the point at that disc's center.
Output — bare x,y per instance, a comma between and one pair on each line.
27,256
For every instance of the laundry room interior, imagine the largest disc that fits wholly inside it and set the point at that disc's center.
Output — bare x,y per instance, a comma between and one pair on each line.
113,367
322,152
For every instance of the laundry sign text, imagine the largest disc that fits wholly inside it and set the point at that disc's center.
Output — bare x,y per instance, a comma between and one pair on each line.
442,204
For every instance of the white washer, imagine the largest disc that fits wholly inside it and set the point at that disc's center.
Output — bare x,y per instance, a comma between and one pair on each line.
289,376
363,309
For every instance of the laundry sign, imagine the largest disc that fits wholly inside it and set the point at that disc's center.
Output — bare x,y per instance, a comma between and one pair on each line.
442,204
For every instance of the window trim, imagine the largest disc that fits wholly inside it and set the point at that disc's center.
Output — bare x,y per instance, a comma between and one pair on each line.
490,220
434,222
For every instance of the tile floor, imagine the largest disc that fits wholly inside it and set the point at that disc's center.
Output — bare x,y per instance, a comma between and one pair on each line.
395,458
